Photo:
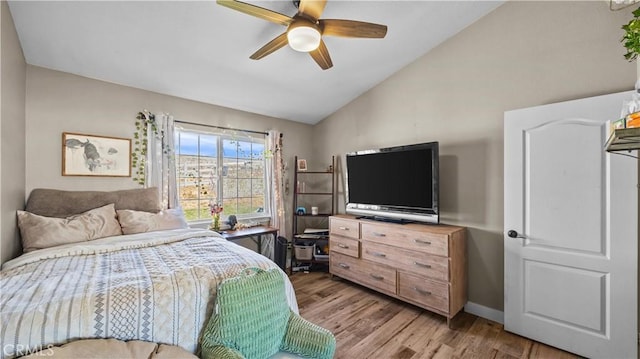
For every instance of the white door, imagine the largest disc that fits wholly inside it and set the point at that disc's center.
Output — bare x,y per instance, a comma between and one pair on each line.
571,271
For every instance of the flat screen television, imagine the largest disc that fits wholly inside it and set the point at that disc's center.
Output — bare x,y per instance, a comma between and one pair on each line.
396,183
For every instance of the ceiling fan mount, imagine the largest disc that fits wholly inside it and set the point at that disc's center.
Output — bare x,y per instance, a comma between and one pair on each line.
305,29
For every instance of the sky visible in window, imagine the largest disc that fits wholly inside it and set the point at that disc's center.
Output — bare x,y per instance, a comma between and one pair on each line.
231,148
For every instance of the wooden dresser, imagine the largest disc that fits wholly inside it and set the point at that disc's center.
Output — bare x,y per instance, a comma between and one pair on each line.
422,264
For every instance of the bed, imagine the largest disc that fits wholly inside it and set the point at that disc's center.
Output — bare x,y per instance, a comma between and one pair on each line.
157,285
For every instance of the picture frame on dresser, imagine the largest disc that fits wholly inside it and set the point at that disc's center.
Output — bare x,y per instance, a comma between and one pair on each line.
95,156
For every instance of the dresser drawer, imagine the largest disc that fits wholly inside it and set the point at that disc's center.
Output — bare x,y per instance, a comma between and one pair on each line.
420,263
344,227
344,245
379,253
433,243
424,291
364,272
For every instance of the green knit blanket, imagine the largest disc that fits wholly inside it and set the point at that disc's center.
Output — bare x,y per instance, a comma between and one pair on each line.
252,320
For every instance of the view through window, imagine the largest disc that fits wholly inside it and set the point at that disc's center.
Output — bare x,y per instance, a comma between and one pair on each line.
216,167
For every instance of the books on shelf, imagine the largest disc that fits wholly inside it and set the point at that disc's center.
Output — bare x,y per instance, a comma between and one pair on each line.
317,231
314,233
311,236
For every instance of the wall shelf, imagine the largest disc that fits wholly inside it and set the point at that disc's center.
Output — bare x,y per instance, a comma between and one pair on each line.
623,139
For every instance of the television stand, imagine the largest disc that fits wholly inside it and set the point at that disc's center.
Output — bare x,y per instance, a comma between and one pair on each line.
422,265
386,219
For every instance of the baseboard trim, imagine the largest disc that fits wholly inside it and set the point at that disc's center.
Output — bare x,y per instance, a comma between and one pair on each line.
484,312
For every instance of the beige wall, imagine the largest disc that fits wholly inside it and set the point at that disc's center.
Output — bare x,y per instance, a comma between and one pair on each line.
61,102
12,134
523,54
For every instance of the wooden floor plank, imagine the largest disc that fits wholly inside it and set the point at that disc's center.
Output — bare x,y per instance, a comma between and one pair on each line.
378,338
415,337
480,339
368,324
513,345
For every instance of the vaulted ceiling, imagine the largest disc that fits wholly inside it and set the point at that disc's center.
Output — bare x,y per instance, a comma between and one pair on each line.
200,50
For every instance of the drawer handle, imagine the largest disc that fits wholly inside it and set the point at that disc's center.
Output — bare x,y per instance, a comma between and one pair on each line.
376,254
421,241
343,246
344,228
345,266
379,234
376,277
422,291
422,265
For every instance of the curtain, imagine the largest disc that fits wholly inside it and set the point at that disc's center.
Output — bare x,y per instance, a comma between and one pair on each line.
160,162
275,168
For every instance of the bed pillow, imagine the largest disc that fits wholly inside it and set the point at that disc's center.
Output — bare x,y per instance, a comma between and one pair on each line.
43,232
62,204
138,222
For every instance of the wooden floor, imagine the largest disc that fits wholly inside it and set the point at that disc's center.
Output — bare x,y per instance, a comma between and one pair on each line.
371,325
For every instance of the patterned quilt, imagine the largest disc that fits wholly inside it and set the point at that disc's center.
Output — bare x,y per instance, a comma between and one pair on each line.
157,286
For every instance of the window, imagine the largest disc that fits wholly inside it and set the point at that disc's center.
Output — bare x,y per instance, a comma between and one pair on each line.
219,167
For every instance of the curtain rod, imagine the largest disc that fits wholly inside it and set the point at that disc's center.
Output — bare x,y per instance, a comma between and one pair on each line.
220,127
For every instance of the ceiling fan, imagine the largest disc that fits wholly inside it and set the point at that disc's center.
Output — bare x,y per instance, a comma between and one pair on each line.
305,29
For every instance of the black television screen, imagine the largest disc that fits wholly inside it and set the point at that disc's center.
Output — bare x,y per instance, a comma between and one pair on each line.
396,183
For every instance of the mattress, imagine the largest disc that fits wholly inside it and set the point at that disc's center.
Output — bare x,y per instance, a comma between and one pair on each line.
157,286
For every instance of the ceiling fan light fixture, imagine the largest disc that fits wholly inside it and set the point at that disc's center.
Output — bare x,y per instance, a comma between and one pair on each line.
303,37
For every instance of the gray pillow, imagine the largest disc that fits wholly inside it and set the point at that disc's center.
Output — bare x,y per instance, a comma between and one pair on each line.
40,232
57,203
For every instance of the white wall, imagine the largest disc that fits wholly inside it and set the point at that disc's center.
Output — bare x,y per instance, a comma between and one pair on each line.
522,54
12,134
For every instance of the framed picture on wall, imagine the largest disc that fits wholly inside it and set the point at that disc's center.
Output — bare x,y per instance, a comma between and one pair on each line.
91,155
302,165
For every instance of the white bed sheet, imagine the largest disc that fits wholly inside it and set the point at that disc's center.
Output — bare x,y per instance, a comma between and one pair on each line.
156,286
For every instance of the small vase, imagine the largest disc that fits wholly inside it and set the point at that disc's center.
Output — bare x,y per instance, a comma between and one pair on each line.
215,226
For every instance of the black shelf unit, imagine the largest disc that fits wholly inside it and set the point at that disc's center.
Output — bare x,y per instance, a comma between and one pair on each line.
298,194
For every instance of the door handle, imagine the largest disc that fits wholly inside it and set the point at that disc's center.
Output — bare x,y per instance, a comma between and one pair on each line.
515,234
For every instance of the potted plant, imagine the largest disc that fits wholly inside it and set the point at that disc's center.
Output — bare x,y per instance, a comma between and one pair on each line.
631,38
215,209
631,41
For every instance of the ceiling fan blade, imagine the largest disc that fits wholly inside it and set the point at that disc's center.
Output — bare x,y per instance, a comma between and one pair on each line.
257,11
270,47
351,28
312,8
321,56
